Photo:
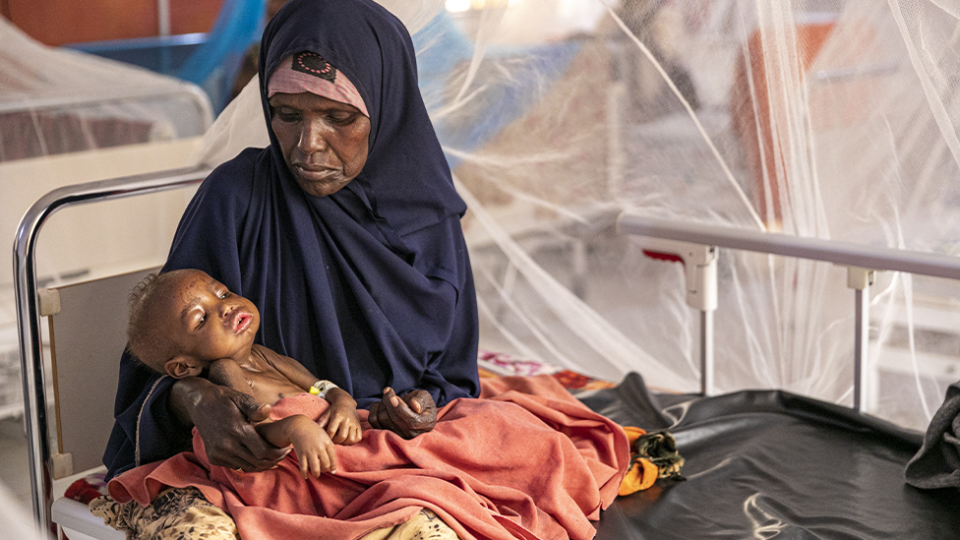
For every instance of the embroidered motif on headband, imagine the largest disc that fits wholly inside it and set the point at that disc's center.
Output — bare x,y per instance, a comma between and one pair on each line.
307,71
313,64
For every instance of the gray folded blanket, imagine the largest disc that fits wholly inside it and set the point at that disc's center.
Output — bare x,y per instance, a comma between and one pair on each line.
937,464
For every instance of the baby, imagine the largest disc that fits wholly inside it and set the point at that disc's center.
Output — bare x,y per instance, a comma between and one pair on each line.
186,324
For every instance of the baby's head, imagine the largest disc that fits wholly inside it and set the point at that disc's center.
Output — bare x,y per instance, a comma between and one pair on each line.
181,321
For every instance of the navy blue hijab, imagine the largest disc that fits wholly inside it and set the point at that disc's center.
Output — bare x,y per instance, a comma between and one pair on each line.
369,287
406,168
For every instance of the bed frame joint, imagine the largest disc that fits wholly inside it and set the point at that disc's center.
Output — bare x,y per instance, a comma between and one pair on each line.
49,302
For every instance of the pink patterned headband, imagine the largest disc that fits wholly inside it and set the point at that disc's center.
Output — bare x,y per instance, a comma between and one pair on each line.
309,72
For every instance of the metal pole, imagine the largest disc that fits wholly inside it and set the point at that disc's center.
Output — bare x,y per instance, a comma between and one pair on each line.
860,344
163,17
616,158
860,279
163,30
706,352
28,320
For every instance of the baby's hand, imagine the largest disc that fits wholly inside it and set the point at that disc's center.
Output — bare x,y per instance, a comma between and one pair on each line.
340,419
314,448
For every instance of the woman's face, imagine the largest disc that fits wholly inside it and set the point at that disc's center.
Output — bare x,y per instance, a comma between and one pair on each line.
323,141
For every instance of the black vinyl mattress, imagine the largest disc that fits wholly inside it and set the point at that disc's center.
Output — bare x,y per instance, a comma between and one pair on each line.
773,465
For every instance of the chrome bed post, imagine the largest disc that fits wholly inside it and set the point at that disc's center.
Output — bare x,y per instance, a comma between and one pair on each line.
28,322
860,279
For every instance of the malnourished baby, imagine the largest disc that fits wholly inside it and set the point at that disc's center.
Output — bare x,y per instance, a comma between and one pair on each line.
186,324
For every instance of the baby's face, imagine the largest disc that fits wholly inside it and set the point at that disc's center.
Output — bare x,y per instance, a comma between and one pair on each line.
207,320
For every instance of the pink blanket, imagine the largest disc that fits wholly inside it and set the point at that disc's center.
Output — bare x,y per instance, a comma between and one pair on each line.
525,461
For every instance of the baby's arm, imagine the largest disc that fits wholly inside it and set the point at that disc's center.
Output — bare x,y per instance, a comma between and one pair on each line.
340,419
313,446
311,443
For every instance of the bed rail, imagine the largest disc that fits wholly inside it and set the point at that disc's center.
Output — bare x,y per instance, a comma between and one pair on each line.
837,252
28,314
861,262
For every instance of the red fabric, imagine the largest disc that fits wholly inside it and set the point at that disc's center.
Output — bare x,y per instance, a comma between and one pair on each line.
660,256
82,491
527,461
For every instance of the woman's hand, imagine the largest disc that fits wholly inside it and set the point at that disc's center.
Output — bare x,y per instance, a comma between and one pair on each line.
416,413
340,419
225,419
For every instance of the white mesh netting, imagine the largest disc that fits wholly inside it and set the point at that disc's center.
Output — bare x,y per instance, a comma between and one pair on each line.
67,117
55,101
822,118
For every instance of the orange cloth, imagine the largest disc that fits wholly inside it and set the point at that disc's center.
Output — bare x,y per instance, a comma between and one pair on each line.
643,473
528,462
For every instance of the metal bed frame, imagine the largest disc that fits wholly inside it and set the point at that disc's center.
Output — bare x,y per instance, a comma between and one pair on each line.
862,262
28,313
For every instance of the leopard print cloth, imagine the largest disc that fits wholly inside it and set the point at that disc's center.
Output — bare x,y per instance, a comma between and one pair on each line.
183,514
176,514
425,525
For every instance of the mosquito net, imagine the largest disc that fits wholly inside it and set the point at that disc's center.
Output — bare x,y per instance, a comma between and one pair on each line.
55,101
68,117
819,118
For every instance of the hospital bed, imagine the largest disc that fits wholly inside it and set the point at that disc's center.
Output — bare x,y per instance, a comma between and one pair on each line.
759,463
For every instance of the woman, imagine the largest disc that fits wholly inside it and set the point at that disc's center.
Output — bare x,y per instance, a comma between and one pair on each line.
345,233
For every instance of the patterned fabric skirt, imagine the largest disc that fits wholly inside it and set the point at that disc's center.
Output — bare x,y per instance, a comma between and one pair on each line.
183,514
